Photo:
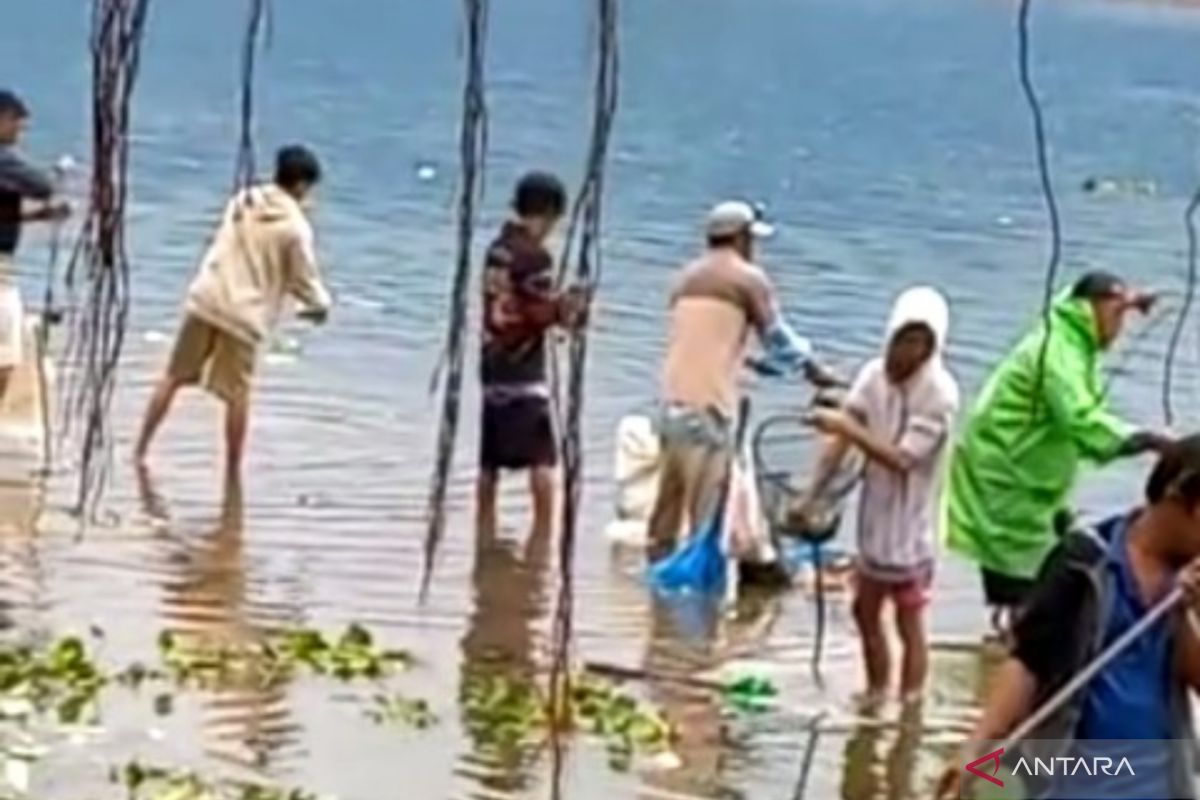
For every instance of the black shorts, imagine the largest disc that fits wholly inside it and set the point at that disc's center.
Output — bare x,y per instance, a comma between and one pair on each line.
517,433
1005,590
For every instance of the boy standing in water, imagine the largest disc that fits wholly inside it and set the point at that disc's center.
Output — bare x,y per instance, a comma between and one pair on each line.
19,181
899,413
520,305
263,254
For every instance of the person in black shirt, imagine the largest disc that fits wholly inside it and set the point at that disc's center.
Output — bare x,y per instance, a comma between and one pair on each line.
19,182
520,305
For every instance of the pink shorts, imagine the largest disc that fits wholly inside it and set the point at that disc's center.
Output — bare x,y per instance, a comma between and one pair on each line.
911,590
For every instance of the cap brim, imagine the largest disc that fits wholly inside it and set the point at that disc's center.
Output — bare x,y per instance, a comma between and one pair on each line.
762,230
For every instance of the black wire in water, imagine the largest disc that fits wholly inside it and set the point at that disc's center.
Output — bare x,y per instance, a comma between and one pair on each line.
472,158
1041,149
583,230
1189,298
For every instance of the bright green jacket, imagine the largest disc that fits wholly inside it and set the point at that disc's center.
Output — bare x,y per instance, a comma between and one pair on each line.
1016,460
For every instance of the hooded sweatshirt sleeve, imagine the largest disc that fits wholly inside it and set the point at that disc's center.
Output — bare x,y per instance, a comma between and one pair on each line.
305,279
1077,402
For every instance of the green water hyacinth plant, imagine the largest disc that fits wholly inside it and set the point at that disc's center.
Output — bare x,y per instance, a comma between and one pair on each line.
278,658
506,712
62,678
147,782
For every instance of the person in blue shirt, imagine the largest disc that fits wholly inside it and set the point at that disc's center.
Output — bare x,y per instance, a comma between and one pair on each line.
1097,584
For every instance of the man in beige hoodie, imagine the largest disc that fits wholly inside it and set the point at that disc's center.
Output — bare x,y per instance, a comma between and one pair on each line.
263,254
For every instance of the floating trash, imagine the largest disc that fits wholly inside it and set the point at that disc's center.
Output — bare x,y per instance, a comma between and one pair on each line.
155,337
426,172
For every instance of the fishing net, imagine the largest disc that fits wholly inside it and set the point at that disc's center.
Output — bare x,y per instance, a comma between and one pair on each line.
98,272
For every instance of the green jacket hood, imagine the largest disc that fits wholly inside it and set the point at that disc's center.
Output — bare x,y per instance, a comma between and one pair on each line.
1078,317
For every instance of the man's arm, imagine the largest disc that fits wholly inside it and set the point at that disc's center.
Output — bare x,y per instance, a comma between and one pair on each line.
305,284
1072,395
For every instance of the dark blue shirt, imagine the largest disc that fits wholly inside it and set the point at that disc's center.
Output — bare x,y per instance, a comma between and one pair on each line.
1129,700
18,180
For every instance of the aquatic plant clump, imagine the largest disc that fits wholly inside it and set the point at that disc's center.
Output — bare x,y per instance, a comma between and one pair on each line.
146,782
506,712
63,679
276,659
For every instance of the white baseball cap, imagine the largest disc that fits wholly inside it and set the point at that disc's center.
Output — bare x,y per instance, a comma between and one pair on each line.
735,216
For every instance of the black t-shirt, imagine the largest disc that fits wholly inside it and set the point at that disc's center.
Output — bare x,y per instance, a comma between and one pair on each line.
18,180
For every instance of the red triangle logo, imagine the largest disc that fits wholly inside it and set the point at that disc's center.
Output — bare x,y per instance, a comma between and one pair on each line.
993,756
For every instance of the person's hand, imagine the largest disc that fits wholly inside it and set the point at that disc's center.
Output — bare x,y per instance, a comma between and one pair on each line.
1142,301
1189,581
828,420
575,303
317,316
763,368
58,210
822,376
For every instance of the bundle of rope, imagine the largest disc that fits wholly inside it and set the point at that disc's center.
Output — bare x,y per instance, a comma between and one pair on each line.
99,266
582,248
472,156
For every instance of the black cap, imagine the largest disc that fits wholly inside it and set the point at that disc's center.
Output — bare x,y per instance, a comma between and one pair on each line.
11,104
1098,285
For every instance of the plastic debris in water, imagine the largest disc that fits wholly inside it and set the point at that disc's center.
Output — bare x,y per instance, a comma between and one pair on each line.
426,172
155,337
1115,187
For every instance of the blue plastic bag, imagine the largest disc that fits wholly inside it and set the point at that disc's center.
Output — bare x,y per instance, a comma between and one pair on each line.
699,566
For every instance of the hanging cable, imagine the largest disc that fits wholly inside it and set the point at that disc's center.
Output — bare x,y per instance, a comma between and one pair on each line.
583,247
100,264
472,156
1185,311
258,16
1041,149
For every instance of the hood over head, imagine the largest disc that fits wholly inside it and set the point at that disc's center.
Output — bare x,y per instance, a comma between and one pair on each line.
924,305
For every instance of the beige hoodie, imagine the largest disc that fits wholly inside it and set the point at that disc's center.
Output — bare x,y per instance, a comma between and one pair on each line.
262,254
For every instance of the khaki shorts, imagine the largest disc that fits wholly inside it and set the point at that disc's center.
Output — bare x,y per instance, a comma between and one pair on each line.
205,354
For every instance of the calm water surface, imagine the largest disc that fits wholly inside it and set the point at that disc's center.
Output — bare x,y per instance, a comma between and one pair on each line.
890,141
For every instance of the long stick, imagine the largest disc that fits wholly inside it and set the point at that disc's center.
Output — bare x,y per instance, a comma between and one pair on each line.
1106,657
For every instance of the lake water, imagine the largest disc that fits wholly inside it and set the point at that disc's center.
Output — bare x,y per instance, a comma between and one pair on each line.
890,141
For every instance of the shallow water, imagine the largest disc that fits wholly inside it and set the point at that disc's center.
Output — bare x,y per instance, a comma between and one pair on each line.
890,141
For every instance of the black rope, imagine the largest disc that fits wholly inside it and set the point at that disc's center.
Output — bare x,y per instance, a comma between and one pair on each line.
101,262
1041,149
472,156
258,15
583,245
1185,311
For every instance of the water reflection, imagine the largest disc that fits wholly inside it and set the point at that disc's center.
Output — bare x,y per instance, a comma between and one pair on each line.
499,686
880,760
205,603
22,578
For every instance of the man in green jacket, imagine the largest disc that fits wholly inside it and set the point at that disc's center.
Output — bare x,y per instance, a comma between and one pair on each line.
1043,410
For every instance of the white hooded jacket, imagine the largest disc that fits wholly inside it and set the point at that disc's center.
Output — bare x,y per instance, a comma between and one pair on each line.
897,512
262,254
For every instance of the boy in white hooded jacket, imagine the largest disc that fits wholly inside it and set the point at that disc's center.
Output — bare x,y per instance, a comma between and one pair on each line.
899,414
262,255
